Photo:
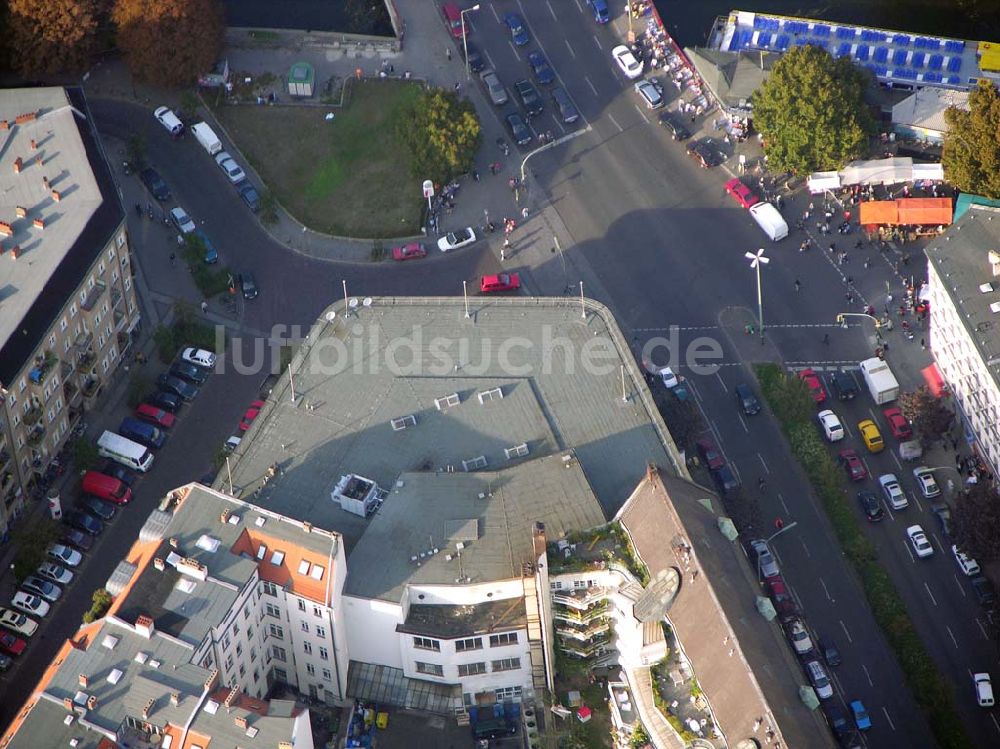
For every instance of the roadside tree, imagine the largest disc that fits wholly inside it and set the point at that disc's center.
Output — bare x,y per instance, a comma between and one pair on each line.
811,112
442,133
971,148
52,36
976,521
169,42
930,417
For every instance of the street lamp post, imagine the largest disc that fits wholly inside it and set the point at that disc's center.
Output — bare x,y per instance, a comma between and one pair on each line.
465,40
842,321
757,259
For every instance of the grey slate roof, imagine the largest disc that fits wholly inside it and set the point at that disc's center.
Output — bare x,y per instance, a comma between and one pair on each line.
732,76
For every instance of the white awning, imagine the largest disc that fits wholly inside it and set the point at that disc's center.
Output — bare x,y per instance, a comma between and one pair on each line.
934,172
822,181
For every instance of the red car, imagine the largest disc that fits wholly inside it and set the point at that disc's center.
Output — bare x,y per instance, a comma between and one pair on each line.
900,427
500,282
154,415
741,193
410,251
812,381
11,645
854,466
710,454
783,602
452,19
250,415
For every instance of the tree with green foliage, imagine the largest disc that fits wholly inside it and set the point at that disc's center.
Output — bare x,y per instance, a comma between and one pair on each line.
442,133
32,541
971,152
85,454
976,523
100,603
169,42
52,36
930,417
811,112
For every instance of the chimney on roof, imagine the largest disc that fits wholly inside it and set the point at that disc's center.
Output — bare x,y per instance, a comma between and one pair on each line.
34,145
175,542
234,692
21,211
175,698
241,723
6,229
83,681
212,680
26,117
17,165
147,709
45,182
994,259
91,702
15,251
56,196
68,704
224,517
38,158
159,563
144,626
38,223
307,527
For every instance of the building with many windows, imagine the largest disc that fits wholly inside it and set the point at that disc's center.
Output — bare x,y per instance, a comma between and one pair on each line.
67,301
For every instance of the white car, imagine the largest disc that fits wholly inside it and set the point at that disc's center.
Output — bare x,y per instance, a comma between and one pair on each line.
56,573
984,689
669,378
199,357
42,588
893,491
967,564
15,621
631,67
29,604
651,93
169,120
832,427
925,480
228,164
921,546
181,220
798,635
454,240
65,555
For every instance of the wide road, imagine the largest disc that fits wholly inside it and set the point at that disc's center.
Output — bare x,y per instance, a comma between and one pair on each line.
668,246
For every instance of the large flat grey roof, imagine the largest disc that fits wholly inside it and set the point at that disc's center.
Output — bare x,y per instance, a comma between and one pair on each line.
65,163
347,395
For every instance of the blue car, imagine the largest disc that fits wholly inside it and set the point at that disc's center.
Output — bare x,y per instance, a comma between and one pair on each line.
861,719
211,254
541,68
600,8
518,31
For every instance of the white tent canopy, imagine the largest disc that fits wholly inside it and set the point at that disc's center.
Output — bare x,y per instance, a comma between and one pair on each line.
934,172
878,172
822,181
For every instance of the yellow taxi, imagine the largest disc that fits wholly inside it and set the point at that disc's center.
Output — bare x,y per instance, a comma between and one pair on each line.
871,435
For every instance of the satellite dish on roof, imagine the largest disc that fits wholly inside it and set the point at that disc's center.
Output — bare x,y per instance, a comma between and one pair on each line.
367,301
331,315
353,303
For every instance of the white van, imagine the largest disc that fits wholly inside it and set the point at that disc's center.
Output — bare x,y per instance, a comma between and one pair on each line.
207,137
125,451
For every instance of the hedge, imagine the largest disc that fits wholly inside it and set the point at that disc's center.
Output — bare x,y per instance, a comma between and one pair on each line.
786,397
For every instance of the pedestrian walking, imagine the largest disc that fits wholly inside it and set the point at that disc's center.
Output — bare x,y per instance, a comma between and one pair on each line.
524,212
172,258
826,338
761,483
506,244
204,306
923,344
458,86
503,251
475,174
798,285
447,53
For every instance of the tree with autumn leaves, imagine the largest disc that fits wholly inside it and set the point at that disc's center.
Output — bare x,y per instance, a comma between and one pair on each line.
53,36
169,42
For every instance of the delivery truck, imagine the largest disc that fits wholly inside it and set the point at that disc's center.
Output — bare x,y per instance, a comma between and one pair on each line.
769,219
207,137
882,383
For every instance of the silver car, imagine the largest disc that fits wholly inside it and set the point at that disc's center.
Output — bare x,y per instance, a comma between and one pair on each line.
496,90
651,93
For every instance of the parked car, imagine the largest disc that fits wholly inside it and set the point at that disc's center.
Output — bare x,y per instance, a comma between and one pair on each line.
986,594
833,430
83,522
495,89
674,127
745,197
116,471
808,376
453,20
518,31
942,511
837,719
767,565
411,251
898,424
155,184
250,196
600,10
473,57
747,400
199,357
829,651
76,539
861,717
210,254
799,637
29,604
248,285
98,508
519,129
819,679
626,61
893,491
5,663
456,239
918,539
42,588
702,154
181,220
166,401
65,555
567,109
709,453
844,385
228,165
871,436
250,415
853,465
871,507
650,92
194,374
984,689
499,282
530,99
925,480
55,572
968,565
724,480
166,117
540,68
15,621
782,599
177,386
11,645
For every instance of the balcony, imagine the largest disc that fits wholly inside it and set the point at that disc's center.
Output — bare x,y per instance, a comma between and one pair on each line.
71,392
116,297
577,616
597,646
94,296
43,367
85,360
68,367
588,633
581,598
33,415
119,318
36,435
90,387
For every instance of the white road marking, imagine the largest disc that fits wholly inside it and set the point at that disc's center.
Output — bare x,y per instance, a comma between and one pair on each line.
489,59
571,52
982,629
846,633
789,512
721,381
891,724
589,83
497,17
549,5
578,6
961,590
641,113
514,50
763,463
995,724
598,43
888,509
899,466
928,589
868,675
952,635
620,128
907,543
805,546
826,590
745,428
916,501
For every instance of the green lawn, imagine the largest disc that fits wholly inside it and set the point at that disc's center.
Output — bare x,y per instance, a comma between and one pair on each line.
347,176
